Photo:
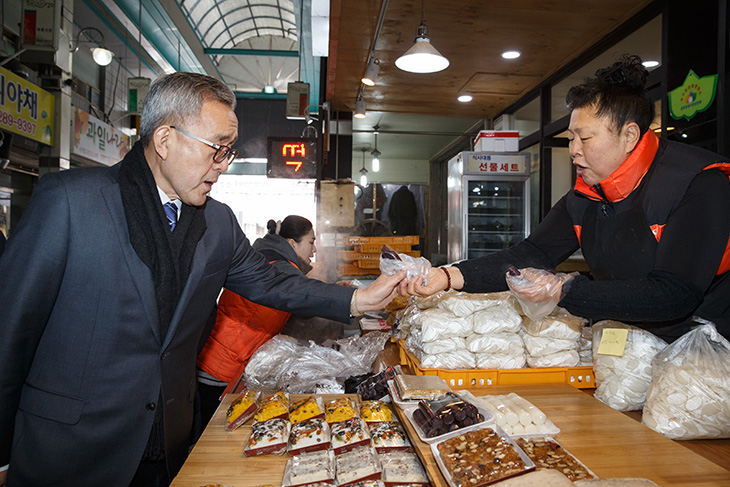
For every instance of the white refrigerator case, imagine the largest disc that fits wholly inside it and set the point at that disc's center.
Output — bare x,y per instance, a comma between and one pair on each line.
489,202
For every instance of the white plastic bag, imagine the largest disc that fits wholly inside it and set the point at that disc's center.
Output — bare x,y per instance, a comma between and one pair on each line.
537,290
505,343
566,358
500,361
689,395
436,324
458,359
464,304
558,324
497,319
622,382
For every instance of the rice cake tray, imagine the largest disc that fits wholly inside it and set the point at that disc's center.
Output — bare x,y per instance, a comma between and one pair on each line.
479,457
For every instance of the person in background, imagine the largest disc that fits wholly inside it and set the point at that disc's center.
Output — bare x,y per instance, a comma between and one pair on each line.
107,285
649,215
403,212
242,326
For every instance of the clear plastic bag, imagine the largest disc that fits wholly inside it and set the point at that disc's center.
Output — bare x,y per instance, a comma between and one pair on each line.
537,290
465,304
503,343
622,382
392,262
558,324
285,364
689,395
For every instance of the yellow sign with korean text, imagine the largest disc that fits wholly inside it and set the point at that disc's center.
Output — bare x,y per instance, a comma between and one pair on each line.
25,109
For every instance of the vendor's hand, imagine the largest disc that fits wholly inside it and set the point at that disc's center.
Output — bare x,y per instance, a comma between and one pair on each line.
378,294
536,285
3,478
437,281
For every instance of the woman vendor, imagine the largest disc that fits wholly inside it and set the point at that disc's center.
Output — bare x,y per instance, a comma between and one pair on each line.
651,218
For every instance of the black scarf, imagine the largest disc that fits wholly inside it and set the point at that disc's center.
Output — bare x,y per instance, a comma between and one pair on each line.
167,254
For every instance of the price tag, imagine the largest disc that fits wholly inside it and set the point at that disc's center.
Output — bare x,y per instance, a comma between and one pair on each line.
613,341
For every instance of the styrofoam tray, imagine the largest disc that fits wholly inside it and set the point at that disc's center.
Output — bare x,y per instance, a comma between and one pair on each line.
488,420
546,429
553,440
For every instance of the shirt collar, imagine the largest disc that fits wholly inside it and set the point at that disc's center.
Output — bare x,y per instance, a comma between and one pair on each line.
166,199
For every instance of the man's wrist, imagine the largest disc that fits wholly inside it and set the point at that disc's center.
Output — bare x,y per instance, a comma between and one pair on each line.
354,311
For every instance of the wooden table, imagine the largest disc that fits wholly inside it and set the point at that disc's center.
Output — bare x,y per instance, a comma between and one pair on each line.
611,444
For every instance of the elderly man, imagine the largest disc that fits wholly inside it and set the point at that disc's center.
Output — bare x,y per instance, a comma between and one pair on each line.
107,284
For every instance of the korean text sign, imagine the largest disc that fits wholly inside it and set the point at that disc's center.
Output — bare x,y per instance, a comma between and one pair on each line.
25,109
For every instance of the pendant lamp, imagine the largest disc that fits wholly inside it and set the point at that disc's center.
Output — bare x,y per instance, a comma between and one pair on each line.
363,171
422,57
376,153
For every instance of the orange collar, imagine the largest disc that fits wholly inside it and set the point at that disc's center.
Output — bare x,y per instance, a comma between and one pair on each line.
627,177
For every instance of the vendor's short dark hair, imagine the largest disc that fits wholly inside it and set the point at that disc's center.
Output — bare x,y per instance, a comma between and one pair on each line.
619,92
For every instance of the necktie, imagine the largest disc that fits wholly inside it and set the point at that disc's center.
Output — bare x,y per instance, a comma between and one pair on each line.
171,213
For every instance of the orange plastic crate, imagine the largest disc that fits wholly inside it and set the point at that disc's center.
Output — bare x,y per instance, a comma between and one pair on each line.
376,247
579,377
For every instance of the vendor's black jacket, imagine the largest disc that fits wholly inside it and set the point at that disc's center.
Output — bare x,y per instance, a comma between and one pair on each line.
655,235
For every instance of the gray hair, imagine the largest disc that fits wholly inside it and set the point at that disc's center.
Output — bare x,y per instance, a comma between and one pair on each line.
175,98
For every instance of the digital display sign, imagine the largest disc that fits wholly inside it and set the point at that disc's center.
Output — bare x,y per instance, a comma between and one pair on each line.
291,158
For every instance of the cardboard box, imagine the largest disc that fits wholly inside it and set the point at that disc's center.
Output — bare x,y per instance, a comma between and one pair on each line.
497,141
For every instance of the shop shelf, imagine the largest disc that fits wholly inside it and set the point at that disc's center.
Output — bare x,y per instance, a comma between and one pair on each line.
405,239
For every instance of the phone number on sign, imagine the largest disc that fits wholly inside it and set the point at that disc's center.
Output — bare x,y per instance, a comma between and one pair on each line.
8,120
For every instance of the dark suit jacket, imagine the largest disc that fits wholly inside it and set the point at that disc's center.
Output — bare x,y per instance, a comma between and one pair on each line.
81,358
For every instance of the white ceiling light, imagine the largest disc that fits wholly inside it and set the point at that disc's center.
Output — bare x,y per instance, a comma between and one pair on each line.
465,98
511,54
360,108
650,64
363,171
371,72
422,57
376,153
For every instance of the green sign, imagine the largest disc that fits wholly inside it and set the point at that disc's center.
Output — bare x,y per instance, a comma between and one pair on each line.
694,96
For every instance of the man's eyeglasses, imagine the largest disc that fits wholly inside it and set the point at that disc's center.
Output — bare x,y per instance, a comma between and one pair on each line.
223,153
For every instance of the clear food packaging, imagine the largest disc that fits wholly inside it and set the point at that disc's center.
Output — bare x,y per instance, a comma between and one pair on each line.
309,468
356,465
374,411
268,437
402,468
349,434
415,387
306,408
479,457
376,386
308,436
241,409
272,406
515,415
432,420
388,436
547,453
340,409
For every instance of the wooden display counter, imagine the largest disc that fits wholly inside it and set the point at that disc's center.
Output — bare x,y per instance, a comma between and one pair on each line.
610,443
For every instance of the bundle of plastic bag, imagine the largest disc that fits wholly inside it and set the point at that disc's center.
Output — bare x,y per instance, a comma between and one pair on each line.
622,382
497,319
585,346
689,395
537,346
504,343
284,364
563,358
537,290
500,361
558,324
464,304
458,359
392,262
436,324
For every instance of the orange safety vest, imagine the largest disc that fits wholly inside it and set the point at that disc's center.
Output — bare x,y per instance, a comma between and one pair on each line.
241,327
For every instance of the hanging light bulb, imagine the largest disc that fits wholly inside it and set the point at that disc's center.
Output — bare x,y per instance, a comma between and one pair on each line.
376,153
422,57
363,171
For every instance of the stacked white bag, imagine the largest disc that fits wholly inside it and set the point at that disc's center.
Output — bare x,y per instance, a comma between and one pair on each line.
554,340
464,331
